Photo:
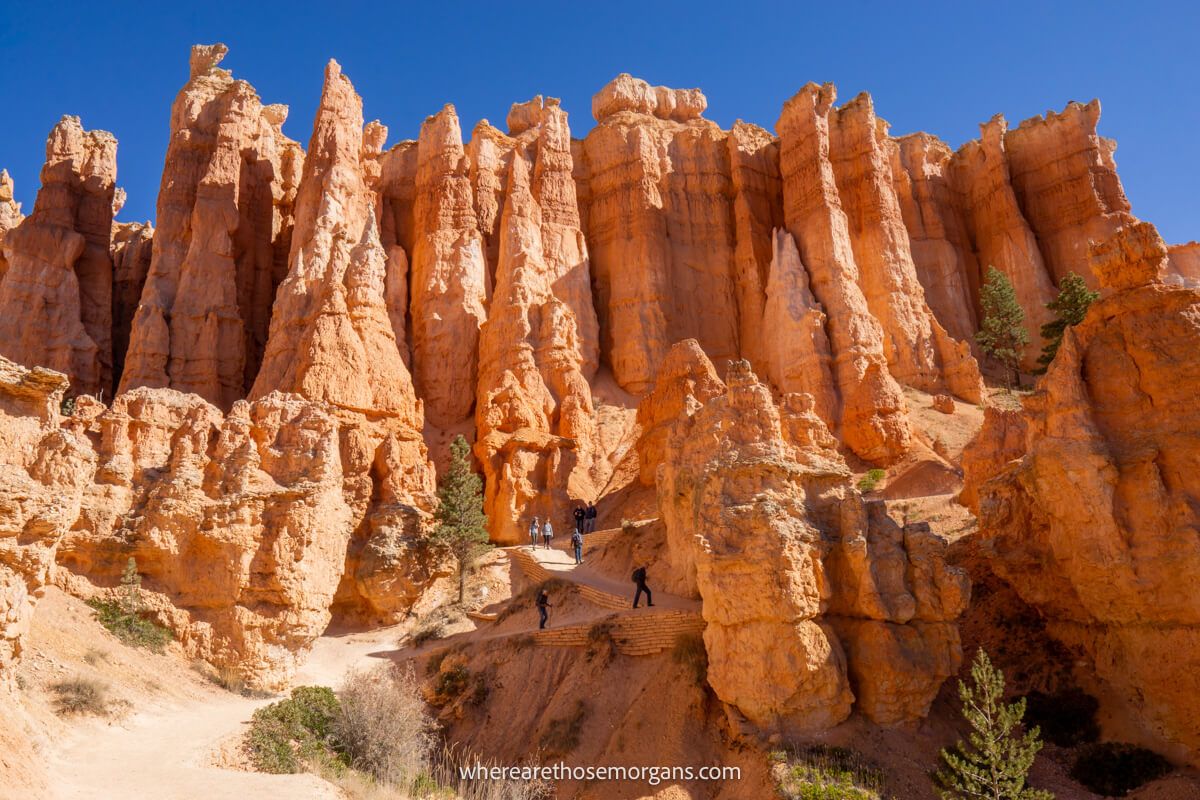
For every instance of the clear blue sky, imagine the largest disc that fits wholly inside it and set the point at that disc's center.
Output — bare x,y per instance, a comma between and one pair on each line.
940,67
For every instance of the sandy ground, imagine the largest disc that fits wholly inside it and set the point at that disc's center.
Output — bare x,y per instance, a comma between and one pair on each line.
170,729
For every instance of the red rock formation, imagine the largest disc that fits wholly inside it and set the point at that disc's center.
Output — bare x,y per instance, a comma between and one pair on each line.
10,215
1096,524
1184,263
1000,235
799,579
1000,441
43,473
941,249
449,284
757,212
659,197
795,347
918,350
871,408
1067,186
685,379
331,338
535,425
56,295
132,252
223,224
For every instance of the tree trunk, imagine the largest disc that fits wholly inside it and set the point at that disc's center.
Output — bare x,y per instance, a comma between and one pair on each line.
462,581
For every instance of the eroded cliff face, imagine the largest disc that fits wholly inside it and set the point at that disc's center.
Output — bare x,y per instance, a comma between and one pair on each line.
1096,524
223,225
870,408
44,471
659,197
56,293
10,215
535,422
799,578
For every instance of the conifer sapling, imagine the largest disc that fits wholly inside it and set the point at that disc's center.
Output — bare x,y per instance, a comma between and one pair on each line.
461,523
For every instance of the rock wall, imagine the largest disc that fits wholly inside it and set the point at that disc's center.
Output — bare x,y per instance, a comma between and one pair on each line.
941,248
1067,186
222,232
1183,265
535,422
918,350
44,471
815,601
1096,524
132,253
870,410
659,197
56,293
10,215
450,285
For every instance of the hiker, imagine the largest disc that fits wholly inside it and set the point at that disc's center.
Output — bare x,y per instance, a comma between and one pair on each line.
579,515
534,528
589,518
639,578
547,533
543,603
577,543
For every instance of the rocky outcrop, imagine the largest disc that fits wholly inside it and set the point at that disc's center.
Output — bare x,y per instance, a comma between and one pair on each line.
918,350
331,338
659,197
132,252
686,379
535,424
796,352
1000,441
1183,265
43,473
757,213
1095,525
10,215
56,294
941,249
1000,235
1067,186
449,285
870,411
222,234
801,580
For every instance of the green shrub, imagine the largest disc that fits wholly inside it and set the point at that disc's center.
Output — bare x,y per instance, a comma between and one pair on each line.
1066,718
1114,769
690,651
871,480
452,682
132,629
822,772
286,736
81,696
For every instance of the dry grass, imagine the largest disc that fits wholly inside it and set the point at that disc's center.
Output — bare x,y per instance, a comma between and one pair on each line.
81,696
383,725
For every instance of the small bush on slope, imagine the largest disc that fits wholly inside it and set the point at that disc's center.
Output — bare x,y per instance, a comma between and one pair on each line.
286,736
871,480
821,772
81,696
382,725
123,616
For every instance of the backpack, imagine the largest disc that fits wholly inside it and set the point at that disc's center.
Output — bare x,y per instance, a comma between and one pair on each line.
577,538
639,575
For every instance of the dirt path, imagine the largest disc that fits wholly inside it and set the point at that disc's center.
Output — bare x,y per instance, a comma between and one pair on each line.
168,751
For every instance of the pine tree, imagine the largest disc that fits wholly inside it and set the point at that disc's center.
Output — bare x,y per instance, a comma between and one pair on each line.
461,523
995,760
1002,335
131,589
1070,307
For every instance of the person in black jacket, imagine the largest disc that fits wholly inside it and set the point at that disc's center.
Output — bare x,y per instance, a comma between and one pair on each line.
589,518
579,514
543,606
639,579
